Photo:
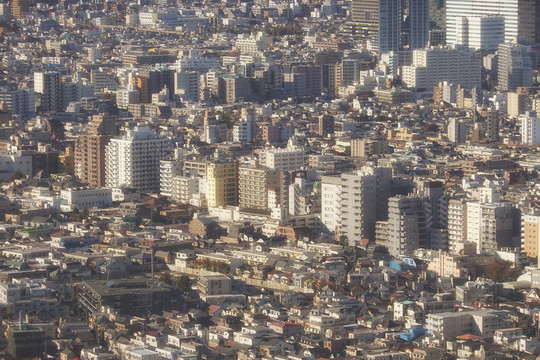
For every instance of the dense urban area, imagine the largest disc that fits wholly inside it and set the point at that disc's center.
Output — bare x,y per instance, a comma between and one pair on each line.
269,179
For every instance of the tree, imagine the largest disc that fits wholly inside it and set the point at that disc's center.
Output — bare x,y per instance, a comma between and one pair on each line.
85,213
343,240
183,283
502,271
165,277
17,175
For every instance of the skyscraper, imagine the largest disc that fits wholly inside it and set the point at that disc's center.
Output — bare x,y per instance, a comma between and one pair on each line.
419,23
529,20
133,159
379,22
456,9
515,67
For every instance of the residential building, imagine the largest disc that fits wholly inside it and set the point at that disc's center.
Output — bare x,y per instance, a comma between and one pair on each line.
255,185
406,225
133,159
222,183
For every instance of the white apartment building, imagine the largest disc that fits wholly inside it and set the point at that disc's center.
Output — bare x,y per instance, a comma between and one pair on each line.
288,159
489,225
331,203
530,130
456,9
133,159
433,65
457,224
184,187
124,97
195,61
168,169
87,198
251,45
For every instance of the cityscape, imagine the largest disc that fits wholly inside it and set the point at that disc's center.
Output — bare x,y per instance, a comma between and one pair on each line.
270,179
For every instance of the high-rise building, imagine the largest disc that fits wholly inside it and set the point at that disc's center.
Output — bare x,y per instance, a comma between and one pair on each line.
331,204
406,225
358,213
134,159
19,8
437,14
419,24
530,129
365,13
517,103
168,169
483,33
456,9
379,22
492,125
457,131
457,224
48,90
89,166
326,125
433,65
529,20
20,102
530,234
489,225
254,185
222,183
515,67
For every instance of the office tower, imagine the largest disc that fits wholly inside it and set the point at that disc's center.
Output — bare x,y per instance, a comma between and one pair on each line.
48,90
222,183
530,129
483,33
437,14
530,234
331,204
133,159
406,225
457,131
358,206
419,23
254,186
456,9
489,226
89,165
366,14
515,67
379,22
529,20
457,224
492,125
431,66
390,25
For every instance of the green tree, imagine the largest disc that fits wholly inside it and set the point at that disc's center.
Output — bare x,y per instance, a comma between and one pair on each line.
183,283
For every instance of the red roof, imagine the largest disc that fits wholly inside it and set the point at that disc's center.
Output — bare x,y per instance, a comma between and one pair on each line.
468,337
